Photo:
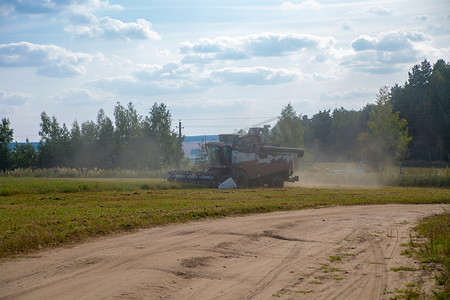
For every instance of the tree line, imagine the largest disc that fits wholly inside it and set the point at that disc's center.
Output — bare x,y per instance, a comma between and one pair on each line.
421,106
411,121
375,135
132,141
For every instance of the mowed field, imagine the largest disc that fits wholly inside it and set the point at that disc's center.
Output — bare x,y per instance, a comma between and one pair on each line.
37,213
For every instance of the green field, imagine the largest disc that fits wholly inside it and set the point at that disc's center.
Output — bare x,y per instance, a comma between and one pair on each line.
41,212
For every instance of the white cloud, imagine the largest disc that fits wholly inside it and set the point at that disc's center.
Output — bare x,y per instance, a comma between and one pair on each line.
97,4
358,93
323,76
52,6
60,70
171,70
6,9
388,52
364,42
345,25
130,85
77,96
50,60
172,77
83,21
88,25
262,45
371,11
380,11
389,41
36,6
214,102
303,5
422,18
14,98
255,76
353,98
163,53
175,77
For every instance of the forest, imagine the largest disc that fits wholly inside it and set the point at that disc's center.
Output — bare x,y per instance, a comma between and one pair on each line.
406,124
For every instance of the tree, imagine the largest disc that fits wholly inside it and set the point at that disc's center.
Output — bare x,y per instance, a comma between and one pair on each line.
133,143
128,136
424,102
6,137
436,112
128,123
289,130
84,143
320,125
24,155
344,131
386,139
308,134
105,143
157,128
54,148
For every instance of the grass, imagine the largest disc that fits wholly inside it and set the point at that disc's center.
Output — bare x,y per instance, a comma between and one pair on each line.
10,186
409,294
304,292
407,269
41,212
326,268
82,173
432,245
334,258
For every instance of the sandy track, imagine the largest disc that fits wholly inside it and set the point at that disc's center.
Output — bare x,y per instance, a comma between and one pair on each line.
329,253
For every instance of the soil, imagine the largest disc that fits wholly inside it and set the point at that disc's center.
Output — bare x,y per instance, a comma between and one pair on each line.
328,253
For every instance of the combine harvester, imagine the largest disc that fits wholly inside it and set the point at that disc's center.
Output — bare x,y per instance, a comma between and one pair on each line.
243,161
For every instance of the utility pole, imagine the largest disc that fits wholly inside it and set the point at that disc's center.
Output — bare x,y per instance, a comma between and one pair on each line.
180,144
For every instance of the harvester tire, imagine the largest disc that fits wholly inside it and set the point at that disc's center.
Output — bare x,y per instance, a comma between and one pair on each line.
277,182
241,179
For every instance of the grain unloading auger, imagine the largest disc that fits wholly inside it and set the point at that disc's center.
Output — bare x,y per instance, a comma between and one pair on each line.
243,161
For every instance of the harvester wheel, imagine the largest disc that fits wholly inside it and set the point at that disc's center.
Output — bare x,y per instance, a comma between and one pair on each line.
241,179
277,182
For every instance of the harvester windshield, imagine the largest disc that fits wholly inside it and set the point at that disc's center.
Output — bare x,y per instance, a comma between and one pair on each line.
219,156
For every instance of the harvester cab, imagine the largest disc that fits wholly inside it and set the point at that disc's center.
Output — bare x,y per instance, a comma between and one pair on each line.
219,155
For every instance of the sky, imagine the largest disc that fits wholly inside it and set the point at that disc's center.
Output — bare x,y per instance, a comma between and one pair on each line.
218,65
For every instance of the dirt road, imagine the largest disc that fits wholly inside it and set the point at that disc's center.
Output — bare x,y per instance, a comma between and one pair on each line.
329,253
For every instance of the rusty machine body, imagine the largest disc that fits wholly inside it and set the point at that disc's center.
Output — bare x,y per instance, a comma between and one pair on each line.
244,159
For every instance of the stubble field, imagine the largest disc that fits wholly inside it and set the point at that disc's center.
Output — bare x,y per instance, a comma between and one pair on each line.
37,213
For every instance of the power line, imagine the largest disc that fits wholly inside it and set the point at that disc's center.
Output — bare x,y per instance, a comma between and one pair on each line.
216,126
231,118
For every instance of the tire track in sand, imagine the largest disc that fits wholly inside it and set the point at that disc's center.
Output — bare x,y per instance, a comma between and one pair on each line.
273,274
147,265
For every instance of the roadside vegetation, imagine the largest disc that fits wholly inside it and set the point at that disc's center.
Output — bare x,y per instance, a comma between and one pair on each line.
83,173
38,213
430,243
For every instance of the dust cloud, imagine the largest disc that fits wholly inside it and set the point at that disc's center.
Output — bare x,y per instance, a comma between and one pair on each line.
336,174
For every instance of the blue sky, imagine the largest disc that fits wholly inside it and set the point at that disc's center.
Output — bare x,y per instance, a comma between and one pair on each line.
218,65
